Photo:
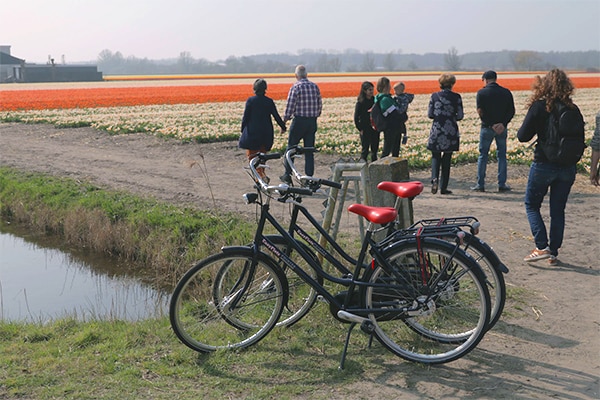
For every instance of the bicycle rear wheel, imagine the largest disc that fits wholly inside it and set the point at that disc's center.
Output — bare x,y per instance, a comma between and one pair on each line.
492,267
437,314
225,302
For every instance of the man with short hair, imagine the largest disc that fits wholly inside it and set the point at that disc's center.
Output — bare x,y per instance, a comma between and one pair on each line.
304,105
496,108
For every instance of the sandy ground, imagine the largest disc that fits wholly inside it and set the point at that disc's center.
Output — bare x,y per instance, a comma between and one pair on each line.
546,345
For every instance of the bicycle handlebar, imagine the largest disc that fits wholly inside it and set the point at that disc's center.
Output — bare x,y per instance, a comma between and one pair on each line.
283,189
311,182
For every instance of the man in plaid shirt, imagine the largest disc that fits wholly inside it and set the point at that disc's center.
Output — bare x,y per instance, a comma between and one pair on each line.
304,105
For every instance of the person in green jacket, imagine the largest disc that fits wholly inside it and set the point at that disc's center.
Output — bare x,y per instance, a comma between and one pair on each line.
391,112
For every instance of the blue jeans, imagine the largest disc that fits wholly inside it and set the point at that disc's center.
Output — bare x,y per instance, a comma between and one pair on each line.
486,137
559,179
303,128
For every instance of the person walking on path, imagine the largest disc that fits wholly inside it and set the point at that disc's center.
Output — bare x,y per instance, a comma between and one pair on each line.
369,138
595,145
445,109
304,106
496,108
393,118
257,125
548,92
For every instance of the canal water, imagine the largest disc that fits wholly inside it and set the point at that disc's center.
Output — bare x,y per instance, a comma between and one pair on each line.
42,280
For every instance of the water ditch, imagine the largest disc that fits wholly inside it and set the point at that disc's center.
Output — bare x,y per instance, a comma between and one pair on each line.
41,279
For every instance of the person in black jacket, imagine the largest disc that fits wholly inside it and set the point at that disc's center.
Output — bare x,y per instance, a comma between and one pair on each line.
548,92
369,138
257,126
496,108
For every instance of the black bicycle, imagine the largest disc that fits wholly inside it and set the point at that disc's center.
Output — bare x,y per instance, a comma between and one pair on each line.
464,228
423,298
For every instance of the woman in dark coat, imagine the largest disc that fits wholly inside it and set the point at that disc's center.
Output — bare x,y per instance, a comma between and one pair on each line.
369,138
257,125
445,108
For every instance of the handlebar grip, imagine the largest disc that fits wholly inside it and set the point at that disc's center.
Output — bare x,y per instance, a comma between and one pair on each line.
332,184
300,190
272,156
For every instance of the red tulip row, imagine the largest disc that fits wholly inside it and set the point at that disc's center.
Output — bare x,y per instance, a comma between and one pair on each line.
13,100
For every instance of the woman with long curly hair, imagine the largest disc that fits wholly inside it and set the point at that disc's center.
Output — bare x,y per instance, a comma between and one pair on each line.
548,93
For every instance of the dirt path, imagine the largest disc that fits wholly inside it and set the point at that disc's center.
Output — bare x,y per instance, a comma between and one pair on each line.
547,344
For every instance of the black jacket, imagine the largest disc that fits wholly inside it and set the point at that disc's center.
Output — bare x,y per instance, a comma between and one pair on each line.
535,124
362,118
496,104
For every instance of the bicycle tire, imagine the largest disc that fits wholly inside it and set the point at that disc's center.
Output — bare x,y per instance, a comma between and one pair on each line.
206,323
456,314
301,296
493,269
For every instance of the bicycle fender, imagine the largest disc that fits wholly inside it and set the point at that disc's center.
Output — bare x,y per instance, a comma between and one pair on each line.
229,249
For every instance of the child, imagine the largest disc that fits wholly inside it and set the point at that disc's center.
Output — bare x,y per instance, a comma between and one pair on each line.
403,100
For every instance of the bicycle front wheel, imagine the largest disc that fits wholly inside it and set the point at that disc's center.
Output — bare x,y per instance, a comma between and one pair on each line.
438,304
227,301
302,296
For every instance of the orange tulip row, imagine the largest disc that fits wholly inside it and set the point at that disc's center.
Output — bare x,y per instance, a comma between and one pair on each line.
13,100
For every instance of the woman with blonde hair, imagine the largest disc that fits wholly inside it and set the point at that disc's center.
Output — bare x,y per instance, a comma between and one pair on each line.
445,109
549,92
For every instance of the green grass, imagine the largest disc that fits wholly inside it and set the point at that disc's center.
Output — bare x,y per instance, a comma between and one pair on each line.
164,237
132,360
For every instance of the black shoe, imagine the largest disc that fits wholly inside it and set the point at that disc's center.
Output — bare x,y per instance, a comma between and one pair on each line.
434,186
446,191
477,189
504,188
286,179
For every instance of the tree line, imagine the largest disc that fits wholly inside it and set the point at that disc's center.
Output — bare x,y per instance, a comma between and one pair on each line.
114,63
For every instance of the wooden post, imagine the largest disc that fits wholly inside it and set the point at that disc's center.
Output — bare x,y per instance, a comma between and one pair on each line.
390,169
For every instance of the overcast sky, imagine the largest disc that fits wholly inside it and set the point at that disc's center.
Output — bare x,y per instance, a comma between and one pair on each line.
216,29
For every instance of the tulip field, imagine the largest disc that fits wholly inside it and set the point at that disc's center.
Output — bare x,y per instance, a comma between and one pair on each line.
212,110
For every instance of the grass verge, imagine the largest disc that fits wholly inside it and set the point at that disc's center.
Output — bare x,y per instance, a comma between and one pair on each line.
163,238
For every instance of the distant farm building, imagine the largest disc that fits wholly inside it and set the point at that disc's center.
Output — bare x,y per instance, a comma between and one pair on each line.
13,69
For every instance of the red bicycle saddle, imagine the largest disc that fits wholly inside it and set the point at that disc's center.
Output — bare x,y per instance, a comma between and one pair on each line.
405,190
377,215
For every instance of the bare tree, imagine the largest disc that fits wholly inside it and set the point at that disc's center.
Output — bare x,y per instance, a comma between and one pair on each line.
527,61
368,63
452,60
185,61
389,62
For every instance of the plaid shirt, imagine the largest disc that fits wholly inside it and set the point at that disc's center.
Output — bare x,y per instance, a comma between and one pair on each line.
304,100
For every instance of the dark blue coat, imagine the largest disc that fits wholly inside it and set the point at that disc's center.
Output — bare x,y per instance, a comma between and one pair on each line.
257,125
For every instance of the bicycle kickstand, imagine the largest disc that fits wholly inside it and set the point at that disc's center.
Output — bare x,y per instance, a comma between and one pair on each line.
343,360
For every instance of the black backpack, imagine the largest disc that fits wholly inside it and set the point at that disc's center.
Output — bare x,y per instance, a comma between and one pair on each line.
565,136
378,121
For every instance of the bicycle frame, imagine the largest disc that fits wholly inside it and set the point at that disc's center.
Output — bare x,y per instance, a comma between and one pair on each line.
350,279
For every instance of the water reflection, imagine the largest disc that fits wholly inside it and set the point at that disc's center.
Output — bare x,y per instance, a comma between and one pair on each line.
41,280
